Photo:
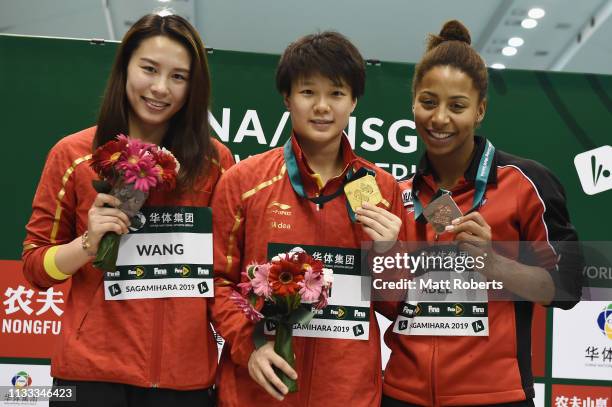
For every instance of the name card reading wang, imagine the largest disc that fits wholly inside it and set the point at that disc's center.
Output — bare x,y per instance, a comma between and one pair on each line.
168,253
346,316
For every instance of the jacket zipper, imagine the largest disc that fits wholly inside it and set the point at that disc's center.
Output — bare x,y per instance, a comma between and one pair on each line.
157,340
311,343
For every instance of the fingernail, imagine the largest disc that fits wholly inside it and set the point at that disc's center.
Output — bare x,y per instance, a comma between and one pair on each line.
365,205
449,228
455,221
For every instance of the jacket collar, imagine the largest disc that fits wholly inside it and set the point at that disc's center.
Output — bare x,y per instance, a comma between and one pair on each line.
308,175
425,167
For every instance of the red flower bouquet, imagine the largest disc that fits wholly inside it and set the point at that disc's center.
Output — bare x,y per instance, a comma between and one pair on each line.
129,169
287,289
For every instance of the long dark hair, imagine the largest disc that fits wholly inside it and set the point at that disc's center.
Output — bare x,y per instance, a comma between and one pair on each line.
188,135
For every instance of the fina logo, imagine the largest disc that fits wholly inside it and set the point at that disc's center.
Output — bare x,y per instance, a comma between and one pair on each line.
140,271
21,379
604,321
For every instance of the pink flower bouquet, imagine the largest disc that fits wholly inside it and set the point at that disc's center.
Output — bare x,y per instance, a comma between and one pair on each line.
129,169
290,287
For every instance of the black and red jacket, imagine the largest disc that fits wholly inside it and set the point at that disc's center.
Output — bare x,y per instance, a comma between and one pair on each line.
523,202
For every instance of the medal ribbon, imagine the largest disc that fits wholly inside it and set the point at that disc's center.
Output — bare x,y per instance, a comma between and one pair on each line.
296,180
480,183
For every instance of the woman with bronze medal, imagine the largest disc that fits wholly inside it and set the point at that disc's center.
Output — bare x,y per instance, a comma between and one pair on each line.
485,195
155,349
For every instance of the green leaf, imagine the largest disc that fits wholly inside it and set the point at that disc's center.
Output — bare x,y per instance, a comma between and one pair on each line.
259,338
108,250
283,346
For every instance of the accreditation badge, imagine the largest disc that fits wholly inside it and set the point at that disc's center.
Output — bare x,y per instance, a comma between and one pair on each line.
168,253
361,190
445,304
347,315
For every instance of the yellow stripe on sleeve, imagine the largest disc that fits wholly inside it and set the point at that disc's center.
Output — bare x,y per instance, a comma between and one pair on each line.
51,267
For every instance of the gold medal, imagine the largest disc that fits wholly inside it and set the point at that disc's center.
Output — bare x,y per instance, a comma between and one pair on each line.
361,190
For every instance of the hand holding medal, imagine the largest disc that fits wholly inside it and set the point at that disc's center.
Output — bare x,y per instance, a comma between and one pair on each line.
471,230
474,235
379,224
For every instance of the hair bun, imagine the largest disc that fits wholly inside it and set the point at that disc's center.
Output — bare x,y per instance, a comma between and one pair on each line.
452,30
455,30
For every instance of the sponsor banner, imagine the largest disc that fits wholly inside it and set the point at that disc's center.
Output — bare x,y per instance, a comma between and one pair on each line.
31,317
594,169
540,394
446,309
347,315
22,377
597,271
219,340
582,341
154,288
565,395
159,271
340,259
172,219
343,313
385,352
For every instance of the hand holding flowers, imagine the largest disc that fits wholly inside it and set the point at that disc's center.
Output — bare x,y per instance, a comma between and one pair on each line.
129,169
284,291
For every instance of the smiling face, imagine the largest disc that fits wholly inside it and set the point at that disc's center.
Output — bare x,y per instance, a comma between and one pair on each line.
156,86
320,109
446,111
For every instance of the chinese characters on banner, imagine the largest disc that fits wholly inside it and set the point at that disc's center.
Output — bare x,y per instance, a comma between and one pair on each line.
31,317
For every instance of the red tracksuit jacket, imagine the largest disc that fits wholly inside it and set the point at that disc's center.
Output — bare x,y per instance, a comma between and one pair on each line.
256,204
148,342
523,202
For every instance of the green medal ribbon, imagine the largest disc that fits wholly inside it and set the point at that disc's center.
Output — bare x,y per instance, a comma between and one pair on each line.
484,168
296,180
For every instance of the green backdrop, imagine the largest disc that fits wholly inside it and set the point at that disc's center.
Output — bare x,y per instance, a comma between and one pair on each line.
52,87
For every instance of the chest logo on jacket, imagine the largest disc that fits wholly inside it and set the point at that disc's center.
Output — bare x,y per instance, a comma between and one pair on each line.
276,208
407,198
